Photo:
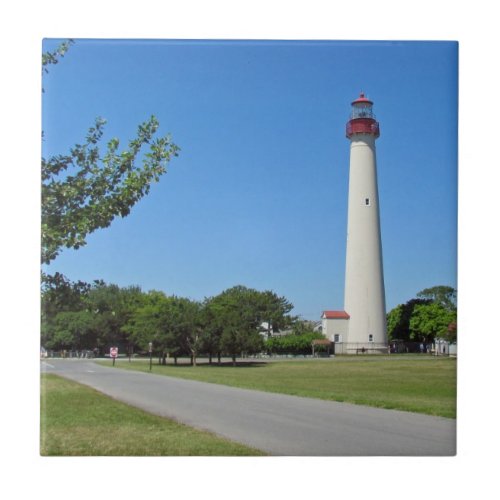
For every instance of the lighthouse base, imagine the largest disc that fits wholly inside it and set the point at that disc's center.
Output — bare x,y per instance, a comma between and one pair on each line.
361,348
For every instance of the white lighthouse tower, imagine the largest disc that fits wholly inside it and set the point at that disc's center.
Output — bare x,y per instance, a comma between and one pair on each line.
364,294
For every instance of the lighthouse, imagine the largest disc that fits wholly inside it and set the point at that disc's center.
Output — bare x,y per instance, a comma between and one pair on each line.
364,293
361,325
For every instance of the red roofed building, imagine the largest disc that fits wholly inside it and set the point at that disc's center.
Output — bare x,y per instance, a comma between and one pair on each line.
335,315
335,326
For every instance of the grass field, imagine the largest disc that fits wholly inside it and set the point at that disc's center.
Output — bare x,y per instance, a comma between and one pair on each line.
422,384
78,421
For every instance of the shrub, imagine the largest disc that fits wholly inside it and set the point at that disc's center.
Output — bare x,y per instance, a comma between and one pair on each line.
292,344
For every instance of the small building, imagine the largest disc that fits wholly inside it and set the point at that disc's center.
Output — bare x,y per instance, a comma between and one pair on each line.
335,327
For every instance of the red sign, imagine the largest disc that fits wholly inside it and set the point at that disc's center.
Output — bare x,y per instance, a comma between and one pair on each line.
113,352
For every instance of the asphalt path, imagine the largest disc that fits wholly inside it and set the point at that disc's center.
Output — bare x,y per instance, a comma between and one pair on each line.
274,423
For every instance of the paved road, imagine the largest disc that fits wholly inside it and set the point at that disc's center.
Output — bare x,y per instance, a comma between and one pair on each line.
275,423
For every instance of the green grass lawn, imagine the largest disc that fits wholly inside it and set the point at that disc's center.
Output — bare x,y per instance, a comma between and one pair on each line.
77,420
422,384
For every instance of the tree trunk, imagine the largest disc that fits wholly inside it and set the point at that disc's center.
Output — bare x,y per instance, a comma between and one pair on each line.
175,360
218,358
209,358
234,360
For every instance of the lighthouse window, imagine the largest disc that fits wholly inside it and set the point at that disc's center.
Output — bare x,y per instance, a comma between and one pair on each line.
370,338
367,202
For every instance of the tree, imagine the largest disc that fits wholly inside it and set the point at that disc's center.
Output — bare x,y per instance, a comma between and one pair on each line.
398,319
85,190
446,296
303,327
189,327
422,318
73,330
237,315
274,311
451,334
429,321
54,56
172,324
60,294
212,329
112,307
151,322
103,310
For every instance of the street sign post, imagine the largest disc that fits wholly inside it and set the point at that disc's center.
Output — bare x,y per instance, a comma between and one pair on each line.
150,356
113,352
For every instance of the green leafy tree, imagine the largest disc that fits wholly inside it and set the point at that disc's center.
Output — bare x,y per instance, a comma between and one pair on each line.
212,329
53,57
429,321
85,189
59,295
151,322
103,310
112,307
274,311
303,327
398,320
446,296
73,330
172,324
188,326
237,314
417,320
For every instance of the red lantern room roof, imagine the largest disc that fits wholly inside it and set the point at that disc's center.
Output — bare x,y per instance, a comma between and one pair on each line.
362,119
362,98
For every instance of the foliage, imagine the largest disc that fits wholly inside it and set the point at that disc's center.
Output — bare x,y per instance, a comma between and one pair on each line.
446,296
59,294
212,329
73,330
426,317
86,189
83,316
54,56
172,324
398,319
150,323
301,327
237,314
292,344
451,334
429,321
274,311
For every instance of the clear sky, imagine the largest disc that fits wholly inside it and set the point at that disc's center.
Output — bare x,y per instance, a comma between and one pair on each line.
258,194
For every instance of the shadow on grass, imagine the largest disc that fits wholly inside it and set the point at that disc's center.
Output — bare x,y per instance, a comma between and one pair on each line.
223,364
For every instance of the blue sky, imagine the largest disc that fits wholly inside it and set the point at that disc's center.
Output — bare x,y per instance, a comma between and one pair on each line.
258,194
